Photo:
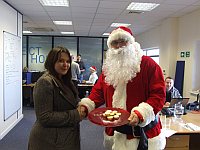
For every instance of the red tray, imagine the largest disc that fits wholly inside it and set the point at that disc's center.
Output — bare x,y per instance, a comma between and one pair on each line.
96,117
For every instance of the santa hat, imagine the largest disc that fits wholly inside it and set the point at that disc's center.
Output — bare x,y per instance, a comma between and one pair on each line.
93,68
120,33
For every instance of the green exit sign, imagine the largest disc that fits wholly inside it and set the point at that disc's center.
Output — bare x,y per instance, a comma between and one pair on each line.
182,54
187,54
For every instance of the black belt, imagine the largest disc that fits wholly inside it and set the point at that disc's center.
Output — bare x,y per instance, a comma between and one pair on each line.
143,143
127,129
138,131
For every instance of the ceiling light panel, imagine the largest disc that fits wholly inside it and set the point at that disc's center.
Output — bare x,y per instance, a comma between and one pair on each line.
142,6
27,32
106,34
64,3
62,22
67,32
120,24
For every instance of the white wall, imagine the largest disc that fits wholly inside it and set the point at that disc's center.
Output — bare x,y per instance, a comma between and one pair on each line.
189,35
11,21
173,36
196,67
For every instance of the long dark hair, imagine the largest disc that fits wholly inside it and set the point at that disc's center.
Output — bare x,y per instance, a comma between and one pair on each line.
52,58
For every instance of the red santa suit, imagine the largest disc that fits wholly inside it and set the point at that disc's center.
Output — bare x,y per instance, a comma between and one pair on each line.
145,93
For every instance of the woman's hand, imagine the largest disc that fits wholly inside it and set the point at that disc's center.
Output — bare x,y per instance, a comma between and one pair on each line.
82,112
133,119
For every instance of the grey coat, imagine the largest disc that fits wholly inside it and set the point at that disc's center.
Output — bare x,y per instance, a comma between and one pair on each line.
57,119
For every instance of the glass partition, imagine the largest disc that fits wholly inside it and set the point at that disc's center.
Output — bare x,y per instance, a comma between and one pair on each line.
38,48
105,48
24,53
69,42
91,54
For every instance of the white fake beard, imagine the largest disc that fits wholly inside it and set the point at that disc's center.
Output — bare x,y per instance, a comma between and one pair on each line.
122,65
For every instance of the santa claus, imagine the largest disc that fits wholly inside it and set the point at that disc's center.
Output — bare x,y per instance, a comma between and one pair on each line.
132,82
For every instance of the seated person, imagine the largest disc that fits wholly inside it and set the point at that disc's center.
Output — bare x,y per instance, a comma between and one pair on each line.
25,69
171,91
93,75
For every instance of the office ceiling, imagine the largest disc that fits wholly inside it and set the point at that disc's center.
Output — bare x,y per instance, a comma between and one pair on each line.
94,17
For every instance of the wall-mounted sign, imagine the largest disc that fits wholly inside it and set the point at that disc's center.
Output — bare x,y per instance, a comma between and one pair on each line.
187,54
182,54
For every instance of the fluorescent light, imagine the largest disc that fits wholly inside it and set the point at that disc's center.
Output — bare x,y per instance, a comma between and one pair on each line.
142,6
63,22
67,32
120,24
27,32
55,3
106,34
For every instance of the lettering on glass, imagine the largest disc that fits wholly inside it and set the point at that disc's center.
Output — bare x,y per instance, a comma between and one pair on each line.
36,56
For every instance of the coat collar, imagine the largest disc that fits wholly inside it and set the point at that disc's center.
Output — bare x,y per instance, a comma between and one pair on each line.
62,91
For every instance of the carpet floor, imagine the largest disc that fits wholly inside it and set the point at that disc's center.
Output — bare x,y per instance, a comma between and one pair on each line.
17,138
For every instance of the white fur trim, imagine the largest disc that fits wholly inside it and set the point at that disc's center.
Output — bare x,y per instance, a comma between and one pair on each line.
119,34
120,142
147,113
157,143
119,96
88,103
92,69
108,141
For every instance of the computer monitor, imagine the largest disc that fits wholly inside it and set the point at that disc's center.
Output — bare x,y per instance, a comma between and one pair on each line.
183,101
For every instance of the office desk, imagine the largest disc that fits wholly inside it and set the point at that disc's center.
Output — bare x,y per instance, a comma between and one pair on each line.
27,93
184,139
29,85
82,88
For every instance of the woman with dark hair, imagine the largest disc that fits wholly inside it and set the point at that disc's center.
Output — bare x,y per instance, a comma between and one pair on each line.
55,101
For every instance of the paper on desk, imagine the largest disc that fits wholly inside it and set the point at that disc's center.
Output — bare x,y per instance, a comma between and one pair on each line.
191,127
168,132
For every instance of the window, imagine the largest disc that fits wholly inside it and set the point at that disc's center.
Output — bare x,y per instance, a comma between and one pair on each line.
153,53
